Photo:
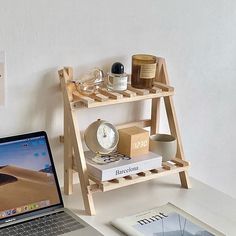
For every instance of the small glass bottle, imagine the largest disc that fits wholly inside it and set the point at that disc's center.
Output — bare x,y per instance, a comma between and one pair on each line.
143,71
117,80
90,81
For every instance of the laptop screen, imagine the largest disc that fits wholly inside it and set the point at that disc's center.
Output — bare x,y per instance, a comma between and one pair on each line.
28,180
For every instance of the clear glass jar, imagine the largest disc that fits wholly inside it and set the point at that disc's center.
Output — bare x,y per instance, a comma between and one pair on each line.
90,82
143,71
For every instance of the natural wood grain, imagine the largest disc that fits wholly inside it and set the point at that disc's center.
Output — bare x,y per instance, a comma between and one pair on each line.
155,115
84,99
68,169
107,186
98,97
180,162
173,124
69,71
138,91
163,87
168,166
77,148
110,94
74,154
128,93
155,90
123,100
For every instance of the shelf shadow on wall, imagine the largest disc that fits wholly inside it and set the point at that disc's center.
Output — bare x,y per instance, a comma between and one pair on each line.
45,112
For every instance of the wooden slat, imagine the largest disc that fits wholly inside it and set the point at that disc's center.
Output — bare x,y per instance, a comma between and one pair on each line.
155,90
123,100
93,188
94,179
168,166
144,173
138,91
117,180
110,94
180,162
98,97
84,99
164,87
157,170
130,177
128,93
107,186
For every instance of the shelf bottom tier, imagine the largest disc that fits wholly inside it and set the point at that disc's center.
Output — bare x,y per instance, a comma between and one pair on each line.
176,165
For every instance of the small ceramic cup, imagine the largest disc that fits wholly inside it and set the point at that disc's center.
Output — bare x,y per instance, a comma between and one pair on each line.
164,145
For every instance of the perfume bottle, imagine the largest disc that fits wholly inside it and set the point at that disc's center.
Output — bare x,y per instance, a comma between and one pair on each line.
117,80
143,71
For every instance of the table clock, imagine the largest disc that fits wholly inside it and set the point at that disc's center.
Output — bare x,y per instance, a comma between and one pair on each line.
101,137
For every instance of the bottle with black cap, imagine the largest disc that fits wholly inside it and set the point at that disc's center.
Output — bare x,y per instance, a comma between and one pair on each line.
117,80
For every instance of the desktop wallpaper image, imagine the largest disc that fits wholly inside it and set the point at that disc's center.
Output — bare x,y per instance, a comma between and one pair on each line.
26,174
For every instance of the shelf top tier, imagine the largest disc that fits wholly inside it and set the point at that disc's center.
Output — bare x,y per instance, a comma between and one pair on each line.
103,97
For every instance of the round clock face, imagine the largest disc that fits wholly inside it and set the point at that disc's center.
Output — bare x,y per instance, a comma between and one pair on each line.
106,136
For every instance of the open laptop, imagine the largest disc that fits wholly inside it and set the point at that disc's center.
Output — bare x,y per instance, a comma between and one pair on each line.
30,198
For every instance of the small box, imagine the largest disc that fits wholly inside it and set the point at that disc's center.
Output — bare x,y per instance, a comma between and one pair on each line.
133,141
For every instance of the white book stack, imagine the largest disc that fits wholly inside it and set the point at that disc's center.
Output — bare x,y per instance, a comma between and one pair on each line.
122,167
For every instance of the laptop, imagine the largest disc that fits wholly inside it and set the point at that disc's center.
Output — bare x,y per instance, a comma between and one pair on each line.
30,198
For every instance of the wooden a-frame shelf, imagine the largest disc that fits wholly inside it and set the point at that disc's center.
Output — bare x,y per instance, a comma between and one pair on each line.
74,156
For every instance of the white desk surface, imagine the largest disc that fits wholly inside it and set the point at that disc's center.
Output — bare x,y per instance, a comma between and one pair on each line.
209,205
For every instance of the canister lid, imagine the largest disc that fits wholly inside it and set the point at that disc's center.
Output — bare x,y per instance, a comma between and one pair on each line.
117,68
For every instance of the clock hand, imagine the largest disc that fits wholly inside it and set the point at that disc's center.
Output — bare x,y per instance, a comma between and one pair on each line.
104,133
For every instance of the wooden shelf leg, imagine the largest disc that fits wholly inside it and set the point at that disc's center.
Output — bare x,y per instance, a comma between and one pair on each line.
72,138
184,179
155,111
155,115
173,124
81,165
68,172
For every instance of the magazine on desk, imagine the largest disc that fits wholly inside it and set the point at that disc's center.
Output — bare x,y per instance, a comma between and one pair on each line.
167,220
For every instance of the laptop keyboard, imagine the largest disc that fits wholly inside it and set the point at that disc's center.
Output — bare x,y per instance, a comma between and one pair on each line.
55,224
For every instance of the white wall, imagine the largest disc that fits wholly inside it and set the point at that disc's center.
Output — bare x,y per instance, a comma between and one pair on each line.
197,38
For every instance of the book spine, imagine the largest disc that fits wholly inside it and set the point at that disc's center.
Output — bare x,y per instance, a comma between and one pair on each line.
130,169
